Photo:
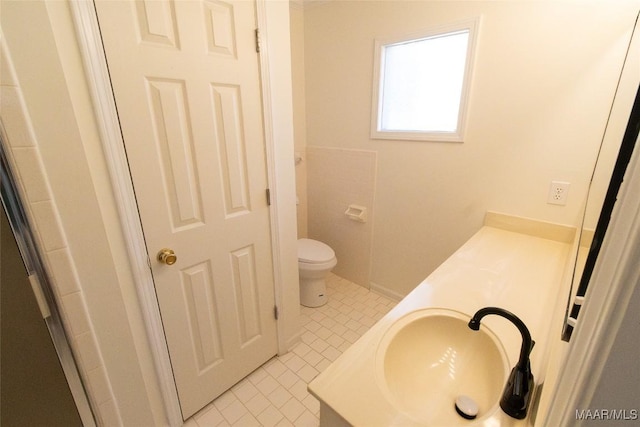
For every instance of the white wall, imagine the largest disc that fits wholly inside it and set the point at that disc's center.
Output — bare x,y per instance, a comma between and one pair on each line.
542,87
296,16
618,384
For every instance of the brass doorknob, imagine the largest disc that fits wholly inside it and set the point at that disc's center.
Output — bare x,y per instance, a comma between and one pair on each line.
167,256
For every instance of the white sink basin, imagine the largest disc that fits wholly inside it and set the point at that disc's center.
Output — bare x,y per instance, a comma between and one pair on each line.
430,357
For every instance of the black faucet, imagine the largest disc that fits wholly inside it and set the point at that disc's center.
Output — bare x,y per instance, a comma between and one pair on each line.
517,391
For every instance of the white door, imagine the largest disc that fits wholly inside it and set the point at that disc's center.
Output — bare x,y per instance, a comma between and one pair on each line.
185,75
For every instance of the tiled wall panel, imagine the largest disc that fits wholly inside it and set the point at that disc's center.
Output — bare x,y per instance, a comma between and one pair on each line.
338,178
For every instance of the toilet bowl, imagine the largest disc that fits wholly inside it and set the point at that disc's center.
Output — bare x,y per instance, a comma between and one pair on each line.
315,261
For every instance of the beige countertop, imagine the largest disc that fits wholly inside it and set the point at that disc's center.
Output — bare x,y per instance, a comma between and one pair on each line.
518,272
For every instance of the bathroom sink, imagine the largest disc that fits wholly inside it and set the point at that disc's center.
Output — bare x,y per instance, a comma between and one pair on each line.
429,358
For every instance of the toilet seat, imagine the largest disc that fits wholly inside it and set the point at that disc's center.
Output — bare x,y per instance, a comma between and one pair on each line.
314,252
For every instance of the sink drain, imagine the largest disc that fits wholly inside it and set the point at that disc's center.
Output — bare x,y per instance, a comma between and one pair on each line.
466,407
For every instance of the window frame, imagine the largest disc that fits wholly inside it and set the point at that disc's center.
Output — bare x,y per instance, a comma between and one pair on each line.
471,25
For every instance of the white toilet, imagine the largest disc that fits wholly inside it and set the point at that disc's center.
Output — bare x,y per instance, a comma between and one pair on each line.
315,261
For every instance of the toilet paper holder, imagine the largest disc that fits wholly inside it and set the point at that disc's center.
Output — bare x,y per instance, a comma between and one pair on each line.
356,213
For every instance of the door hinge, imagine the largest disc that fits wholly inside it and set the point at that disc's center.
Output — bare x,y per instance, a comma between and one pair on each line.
257,32
275,312
268,193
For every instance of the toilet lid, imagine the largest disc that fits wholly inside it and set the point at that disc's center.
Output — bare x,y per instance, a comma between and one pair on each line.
313,251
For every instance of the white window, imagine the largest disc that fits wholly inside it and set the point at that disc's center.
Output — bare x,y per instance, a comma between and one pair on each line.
421,84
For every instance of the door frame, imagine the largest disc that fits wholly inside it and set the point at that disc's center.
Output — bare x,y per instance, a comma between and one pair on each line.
92,52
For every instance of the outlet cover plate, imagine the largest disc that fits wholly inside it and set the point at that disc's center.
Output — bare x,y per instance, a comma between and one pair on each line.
558,193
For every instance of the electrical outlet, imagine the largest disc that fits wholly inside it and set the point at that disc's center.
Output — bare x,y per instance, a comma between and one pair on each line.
558,192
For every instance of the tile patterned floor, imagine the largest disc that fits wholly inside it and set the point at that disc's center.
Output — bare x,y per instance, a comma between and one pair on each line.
276,393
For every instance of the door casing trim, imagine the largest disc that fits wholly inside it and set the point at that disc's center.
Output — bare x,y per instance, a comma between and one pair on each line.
94,60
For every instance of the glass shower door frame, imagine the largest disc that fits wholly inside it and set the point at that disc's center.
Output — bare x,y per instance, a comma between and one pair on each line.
42,285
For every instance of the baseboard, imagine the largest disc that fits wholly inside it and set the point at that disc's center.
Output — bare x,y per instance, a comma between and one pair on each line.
289,344
374,287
